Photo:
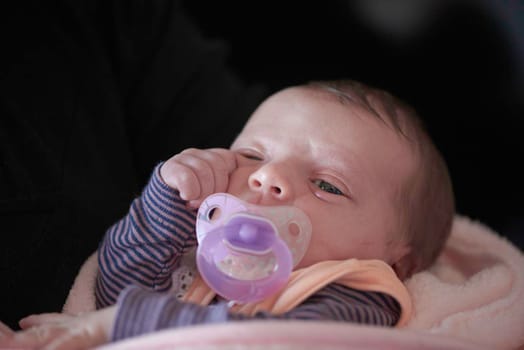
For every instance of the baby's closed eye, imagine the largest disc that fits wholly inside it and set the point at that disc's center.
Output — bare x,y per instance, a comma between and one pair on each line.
251,154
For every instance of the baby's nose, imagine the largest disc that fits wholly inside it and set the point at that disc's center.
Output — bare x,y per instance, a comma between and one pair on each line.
272,180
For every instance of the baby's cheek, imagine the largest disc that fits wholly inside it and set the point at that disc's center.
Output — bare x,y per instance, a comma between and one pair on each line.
311,256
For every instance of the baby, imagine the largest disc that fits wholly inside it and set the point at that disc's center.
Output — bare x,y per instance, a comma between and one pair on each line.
354,159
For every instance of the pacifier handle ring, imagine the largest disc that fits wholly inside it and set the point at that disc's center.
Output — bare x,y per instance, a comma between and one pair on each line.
225,202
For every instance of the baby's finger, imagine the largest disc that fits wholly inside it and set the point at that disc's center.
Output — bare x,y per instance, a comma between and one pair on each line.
36,320
228,157
194,204
181,178
221,162
224,163
33,338
203,170
197,173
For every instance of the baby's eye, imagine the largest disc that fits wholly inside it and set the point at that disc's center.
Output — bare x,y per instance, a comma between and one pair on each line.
327,187
251,155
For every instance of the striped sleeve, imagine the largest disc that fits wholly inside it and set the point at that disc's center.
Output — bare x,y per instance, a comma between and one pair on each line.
144,247
141,312
337,302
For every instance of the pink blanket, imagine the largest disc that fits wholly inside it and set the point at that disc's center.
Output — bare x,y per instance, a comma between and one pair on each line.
472,298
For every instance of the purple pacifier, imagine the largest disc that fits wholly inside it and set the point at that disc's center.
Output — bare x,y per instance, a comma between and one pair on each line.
246,252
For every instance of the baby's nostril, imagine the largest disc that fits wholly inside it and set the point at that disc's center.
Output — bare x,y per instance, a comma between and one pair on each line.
277,190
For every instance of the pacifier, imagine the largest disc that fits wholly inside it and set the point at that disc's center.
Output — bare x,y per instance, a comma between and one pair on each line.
246,252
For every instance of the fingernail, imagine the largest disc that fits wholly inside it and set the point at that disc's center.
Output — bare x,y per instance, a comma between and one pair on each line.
193,204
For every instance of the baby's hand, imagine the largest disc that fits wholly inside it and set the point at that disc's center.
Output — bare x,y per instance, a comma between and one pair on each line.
197,173
61,331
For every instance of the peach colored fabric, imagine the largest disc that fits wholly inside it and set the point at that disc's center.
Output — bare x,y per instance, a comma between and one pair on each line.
368,275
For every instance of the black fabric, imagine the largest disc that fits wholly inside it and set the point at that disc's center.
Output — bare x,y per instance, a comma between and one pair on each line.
92,95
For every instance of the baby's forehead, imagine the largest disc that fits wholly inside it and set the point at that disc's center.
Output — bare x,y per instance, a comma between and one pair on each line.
367,102
324,109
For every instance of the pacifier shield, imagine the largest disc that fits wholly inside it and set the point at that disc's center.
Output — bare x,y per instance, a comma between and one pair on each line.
246,252
244,269
292,224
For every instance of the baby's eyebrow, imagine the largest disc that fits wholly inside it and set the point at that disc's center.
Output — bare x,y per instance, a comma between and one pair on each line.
242,142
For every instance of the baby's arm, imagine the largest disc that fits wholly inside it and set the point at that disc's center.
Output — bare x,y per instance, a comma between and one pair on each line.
141,312
144,247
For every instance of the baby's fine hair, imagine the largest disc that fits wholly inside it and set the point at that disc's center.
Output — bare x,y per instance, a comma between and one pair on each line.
425,202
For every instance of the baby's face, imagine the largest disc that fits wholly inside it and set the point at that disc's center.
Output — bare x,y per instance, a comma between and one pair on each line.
341,167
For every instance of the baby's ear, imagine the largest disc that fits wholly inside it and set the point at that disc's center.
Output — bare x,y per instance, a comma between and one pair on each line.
406,264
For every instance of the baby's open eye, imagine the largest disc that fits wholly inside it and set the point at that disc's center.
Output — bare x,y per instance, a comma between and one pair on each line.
327,187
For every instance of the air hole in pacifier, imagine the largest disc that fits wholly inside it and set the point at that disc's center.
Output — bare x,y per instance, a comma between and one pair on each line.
293,229
213,213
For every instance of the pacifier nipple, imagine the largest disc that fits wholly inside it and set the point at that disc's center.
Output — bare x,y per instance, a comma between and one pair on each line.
248,233
247,252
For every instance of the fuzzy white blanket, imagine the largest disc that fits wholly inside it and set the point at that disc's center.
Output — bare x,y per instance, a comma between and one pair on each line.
472,298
